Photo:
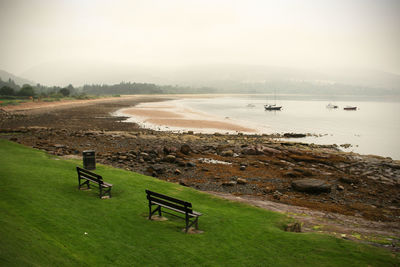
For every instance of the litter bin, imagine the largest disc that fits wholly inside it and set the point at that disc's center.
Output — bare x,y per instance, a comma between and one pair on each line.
89,160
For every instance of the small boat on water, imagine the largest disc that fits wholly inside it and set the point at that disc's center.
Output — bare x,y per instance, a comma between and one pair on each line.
330,105
272,107
350,108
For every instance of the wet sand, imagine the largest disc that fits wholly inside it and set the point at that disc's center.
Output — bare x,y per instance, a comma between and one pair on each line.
167,116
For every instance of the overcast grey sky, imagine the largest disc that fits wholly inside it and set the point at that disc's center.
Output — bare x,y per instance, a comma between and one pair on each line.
291,33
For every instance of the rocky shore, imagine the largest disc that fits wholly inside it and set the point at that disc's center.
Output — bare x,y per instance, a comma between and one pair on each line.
259,167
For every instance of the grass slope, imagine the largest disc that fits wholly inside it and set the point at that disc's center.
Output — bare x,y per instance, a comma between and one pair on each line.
44,218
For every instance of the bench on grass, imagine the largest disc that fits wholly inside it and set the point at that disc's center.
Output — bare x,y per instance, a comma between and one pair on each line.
177,205
88,176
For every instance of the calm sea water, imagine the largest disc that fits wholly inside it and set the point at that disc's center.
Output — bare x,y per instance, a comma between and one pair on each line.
374,128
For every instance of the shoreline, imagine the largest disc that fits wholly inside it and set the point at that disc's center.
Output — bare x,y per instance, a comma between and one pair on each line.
258,166
168,117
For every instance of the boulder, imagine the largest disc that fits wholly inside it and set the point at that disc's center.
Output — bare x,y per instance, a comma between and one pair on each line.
228,183
190,164
293,135
185,149
340,187
311,186
170,158
227,153
270,151
293,227
249,151
168,150
183,183
145,156
348,180
241,181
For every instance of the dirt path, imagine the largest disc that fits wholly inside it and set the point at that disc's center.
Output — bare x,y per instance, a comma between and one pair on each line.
381,234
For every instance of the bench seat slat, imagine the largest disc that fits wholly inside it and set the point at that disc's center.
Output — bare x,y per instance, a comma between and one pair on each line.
169,204
188,204
193,213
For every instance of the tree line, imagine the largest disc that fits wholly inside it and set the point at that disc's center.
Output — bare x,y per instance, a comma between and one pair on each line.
10,88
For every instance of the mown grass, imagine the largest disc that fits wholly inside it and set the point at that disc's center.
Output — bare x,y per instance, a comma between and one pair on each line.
44,218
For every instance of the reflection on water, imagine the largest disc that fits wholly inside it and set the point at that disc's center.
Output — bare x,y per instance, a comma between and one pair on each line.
374,128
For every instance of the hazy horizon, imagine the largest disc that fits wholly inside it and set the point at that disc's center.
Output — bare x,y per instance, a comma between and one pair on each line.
87,36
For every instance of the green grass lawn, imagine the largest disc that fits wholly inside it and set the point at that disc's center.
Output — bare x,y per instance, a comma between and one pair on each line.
44,218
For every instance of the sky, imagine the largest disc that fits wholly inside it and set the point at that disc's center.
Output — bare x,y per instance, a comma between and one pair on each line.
309,34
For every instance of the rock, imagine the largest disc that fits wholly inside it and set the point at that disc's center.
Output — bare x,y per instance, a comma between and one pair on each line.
191,164
59,146
346,145
249,151
292,174
227,153
268,151
177,171
181,182
180,163
242,168
170,158
340,187
229,183
293,227
348,180
158,168
293,135
185,149
168,150
145,156
311,186
241,181
277,195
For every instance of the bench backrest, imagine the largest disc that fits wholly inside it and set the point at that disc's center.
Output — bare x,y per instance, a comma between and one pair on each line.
82,173
169,201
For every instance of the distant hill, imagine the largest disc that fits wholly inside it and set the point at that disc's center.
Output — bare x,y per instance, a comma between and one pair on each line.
4,75
222,77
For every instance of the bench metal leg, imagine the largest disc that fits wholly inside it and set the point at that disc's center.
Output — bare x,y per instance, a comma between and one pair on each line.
150,211
82,184
187,222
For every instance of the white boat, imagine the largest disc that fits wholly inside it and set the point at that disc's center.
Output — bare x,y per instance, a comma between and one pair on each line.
272,107
332,106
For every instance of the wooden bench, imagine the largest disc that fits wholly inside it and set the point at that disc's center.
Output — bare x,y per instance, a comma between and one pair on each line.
177,205
88,176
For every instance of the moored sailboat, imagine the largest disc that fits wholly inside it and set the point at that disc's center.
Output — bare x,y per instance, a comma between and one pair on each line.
350,108
270,107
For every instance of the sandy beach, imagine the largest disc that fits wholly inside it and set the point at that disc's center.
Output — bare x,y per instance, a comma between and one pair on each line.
163,118
169,116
